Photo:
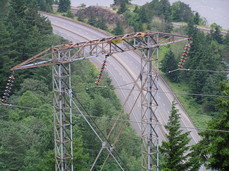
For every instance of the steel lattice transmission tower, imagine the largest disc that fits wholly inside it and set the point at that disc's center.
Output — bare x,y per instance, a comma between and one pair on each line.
61,56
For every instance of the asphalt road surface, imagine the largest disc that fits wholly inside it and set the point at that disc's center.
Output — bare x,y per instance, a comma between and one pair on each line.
123,69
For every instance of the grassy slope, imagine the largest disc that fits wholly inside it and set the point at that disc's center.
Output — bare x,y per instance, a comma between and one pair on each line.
194,110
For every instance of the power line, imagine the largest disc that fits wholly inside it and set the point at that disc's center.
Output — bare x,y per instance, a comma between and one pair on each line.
107,87
23,107
195,70
195,94
120,120
164,92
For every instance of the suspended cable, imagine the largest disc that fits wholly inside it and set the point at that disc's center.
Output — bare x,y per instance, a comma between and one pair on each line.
167,92
194,70
120,120
23,107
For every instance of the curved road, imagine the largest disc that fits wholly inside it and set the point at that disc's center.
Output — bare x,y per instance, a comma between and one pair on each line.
123,69
201,28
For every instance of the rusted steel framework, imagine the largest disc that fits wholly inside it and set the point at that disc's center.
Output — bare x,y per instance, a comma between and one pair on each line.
58,56
95,48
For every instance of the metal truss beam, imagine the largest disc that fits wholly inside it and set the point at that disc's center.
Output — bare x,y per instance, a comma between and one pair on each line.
95,48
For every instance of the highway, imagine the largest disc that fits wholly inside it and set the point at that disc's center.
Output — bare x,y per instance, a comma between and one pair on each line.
123,69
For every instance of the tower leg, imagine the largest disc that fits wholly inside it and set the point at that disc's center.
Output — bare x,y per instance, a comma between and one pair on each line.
149,133
62,101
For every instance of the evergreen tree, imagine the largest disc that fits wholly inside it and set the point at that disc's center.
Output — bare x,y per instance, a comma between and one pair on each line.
28,30
153,8
213,62
119,2
102,24
26,26
143,17
165,9
64,5
216,33
175,150
191,30
4,5
45,5
169,63
214,148
122,8
92,19
70,14
138,26
196,18
204,54
136,9
225,51
181,12
226,39
80,156
6,52
118,30
12,148
80,17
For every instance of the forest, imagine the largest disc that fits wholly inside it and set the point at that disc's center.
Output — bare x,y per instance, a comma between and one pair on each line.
26,127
